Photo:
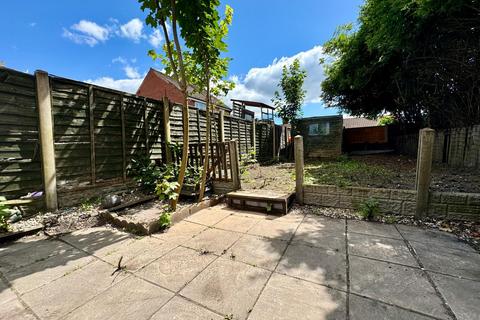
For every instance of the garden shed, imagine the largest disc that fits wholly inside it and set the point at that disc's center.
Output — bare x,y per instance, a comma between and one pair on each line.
322,136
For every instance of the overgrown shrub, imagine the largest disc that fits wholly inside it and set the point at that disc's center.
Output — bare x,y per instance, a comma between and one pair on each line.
369,209
145,172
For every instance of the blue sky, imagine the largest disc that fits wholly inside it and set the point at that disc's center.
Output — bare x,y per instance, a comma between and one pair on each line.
105,42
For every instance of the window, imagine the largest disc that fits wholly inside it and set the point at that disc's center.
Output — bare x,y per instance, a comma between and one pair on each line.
319,129
248,117
200,105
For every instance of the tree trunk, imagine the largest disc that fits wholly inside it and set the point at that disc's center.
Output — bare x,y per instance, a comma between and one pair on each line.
183,163
207,145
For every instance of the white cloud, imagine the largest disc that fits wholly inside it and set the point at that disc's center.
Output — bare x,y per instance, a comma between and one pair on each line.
131,72
119,59
32,24
87,32
155,38
260,83
126,85
132,30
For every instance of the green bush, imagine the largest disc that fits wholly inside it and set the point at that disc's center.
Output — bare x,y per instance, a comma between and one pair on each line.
369,209
145,172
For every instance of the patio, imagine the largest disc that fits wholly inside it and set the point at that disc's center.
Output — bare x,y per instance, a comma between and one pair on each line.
227,264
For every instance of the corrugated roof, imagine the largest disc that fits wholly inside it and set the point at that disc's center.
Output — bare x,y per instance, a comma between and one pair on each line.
349,123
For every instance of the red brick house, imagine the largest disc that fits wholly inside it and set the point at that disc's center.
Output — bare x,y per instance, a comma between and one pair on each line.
157,85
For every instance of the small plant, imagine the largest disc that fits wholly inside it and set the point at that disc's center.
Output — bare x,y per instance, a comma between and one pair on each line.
4,215
88,204
193,176
390,219
166,190
369,209
145,172
165,220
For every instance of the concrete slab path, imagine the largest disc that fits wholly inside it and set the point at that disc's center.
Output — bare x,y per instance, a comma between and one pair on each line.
227,264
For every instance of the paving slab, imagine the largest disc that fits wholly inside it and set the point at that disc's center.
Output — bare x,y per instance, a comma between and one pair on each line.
15,310
450,261
6,294
381,248
286,298
61,296
433,237
399,285
213,240
177,268
181,309
139,253
462,295
281,230
209,216
12,247
41,250
34,275
228,287
236,223
323,266
99,241
258,251
374,229
132,298
316,235
180,232
324,224
363,308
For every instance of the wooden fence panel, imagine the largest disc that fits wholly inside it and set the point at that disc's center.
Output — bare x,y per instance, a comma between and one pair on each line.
20,167
70,108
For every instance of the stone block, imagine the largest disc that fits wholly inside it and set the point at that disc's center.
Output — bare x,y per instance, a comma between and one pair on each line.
454,198
409,208
437,210
312,198
474,199
332,190
345,202
409,195
360,192
379,193
463,209
435,197
330,200
390,206
346,191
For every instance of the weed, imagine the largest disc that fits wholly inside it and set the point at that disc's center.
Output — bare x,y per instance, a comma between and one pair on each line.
369,209
165,220
145,173
4,215
228,317
88,204
390,219
166,190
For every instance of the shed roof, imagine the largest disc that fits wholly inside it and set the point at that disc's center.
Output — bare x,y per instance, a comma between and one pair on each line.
254,104
350,123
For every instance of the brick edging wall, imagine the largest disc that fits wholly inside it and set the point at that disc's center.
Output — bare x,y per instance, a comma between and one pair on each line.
464,206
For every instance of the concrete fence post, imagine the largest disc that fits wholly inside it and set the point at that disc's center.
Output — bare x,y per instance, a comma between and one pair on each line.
274,140
299,164
424,169
235,164
254,137
45,117
166,129
221,119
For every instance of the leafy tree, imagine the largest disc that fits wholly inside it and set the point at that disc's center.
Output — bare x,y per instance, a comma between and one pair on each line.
386,120
206,39
159,13
419,60
288,105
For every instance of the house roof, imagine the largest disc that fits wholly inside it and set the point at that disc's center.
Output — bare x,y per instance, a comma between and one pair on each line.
254,104
350,123
192,93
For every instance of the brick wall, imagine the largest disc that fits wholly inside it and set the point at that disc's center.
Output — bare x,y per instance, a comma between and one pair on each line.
463,206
